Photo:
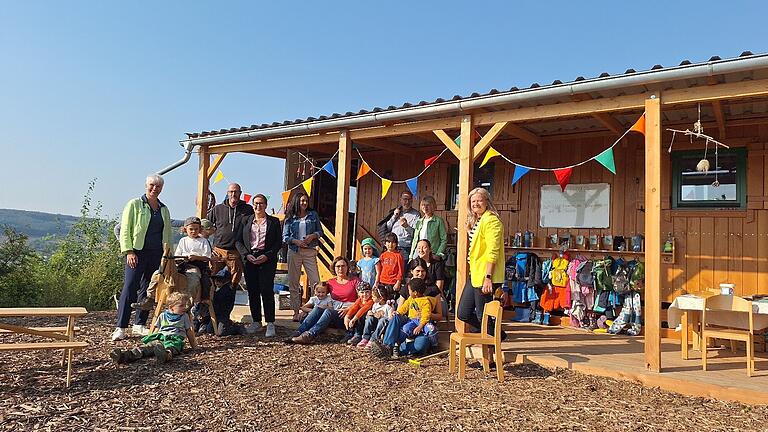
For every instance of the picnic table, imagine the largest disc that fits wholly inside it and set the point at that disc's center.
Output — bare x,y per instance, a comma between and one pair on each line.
64,337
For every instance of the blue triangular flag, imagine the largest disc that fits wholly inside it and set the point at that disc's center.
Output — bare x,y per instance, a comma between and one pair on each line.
519,172
413,185
328,167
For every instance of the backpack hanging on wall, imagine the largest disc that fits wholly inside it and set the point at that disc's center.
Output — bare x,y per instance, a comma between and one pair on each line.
601,271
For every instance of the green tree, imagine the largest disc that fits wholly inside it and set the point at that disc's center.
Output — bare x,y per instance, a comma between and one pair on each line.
17,264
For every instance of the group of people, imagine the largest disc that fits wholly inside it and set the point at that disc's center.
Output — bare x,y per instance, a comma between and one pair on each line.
387,302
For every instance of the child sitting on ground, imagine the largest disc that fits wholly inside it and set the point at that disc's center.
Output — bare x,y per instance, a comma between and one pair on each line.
412,321
377,318
353,320
369,266
173,324
321,299
392,266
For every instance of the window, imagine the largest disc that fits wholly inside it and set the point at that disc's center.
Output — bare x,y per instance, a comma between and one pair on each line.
483,178
723,186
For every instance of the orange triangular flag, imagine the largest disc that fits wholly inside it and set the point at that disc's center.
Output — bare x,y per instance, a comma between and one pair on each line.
639,125
364,169
286,195
563,177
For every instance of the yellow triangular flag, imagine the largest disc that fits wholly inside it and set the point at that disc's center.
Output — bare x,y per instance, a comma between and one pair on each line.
385,184
491,153
219,177
308,185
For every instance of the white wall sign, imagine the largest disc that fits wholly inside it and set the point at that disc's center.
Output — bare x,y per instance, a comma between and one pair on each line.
580,206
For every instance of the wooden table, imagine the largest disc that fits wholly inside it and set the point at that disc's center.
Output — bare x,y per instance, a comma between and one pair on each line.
685,311
64,337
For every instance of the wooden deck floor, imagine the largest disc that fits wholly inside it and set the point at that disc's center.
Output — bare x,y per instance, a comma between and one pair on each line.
621,357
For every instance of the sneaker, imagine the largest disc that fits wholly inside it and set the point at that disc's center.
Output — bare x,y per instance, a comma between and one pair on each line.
162,355
346,338
354,340
147,304
117,356
140,330
396,353
253,327
363,343
304,338
270,330
119,334
369,344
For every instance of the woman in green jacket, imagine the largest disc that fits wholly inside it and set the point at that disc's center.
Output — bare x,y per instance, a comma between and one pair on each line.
431,227
145,228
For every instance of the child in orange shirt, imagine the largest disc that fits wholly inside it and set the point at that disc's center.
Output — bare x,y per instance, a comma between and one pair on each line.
392,266
352,320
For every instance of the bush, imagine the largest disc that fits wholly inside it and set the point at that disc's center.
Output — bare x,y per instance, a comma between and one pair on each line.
17,269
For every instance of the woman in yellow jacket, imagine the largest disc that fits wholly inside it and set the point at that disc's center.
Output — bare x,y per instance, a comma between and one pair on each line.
486,258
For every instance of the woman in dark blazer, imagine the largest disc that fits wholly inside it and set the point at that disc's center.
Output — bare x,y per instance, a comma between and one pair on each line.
258,245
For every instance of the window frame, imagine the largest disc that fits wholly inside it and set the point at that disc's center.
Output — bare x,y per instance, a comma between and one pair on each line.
741,181
454,176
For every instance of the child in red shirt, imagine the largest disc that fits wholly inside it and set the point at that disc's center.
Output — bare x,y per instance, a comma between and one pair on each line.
352,320
392,266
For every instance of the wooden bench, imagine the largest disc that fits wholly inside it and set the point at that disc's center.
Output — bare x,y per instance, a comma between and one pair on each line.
64,337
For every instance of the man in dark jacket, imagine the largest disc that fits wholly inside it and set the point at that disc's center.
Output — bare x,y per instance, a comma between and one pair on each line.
228,218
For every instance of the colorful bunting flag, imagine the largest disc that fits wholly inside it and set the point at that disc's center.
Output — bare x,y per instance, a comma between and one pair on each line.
518,173
385,184
563,177
606,159
308,185
639,125
247,198
413,185
286,196
489,154
364,169
219,177
430,161
328,167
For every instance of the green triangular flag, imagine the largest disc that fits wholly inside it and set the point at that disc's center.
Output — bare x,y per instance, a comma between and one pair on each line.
606,159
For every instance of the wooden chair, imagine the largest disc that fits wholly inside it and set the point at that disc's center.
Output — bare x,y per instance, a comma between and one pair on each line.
734,304
484,338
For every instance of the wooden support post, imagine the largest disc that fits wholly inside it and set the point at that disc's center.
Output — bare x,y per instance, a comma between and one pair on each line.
202,182
215,164
341,231
653,234
466,162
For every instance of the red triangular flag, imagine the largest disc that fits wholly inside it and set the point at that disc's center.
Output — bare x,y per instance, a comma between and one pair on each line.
247,198
430,161
563,177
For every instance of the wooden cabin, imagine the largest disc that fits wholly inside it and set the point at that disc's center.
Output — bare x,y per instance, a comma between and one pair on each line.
719,235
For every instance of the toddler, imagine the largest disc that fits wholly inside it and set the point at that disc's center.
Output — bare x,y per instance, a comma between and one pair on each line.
353,321
392,265
321,299
411,321
377,318
172,325
369,266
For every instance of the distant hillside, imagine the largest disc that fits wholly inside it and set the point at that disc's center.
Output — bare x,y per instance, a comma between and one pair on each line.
43,229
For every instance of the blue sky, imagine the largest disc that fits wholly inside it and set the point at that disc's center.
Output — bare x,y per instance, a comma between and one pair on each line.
106,90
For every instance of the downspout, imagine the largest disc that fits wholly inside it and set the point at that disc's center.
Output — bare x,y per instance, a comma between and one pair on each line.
188,147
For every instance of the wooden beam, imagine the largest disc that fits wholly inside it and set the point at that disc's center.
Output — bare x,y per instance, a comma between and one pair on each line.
386,145
277,143
719,118
466,165
488,139
280,154
524,134
653,275
406,128
202,182
215,164
448,142
341,232
609,122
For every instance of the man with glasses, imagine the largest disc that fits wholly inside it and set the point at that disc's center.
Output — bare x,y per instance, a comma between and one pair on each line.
228,218
401,221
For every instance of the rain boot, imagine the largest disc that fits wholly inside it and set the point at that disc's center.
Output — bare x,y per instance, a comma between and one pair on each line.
545,320
537,318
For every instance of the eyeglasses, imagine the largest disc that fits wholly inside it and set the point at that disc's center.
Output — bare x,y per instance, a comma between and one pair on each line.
234,192
259,203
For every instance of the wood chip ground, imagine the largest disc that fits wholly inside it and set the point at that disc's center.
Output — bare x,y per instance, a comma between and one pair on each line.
249,383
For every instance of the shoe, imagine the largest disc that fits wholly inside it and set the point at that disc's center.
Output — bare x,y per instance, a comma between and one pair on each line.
346,338
369,344
380,350
145,305
162,355
396,353
270,330
354,340
119,334
363,343
545,320
253,327
140,330
304,338
117,356
537,318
